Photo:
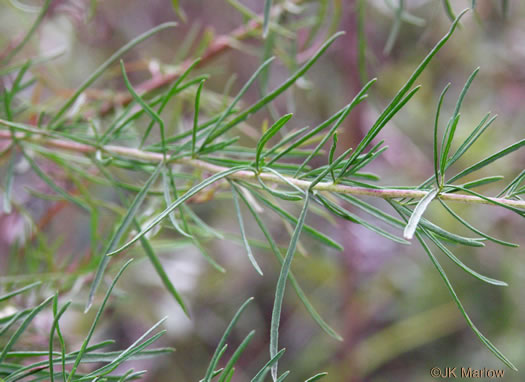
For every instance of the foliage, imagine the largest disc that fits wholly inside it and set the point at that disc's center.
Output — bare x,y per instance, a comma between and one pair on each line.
91,142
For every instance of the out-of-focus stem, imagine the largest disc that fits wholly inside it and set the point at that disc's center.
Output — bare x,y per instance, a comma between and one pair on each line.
219,45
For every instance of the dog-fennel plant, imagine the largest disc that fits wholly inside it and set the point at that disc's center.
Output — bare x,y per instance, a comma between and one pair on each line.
209,160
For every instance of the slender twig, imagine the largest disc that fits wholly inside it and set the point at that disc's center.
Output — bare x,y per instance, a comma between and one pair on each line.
385,193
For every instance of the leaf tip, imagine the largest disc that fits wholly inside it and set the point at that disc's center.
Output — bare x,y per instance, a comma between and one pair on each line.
88,304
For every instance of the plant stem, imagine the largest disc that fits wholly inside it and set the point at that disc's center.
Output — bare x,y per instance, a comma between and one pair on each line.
385,193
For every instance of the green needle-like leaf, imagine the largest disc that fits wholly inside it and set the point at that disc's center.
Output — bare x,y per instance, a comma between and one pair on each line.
475,230
222,343
243,231
374,131
29,34
357,99
448,10
284,141
513,185
275,93
174,89
201,224
148,248
267,136
459,263
16,292
168,184
196,118
9,321
134,348
295,196
467,143
394,32
519,211
145,106
329,169
261,374
331,155
365,159
372,210
266,21
441,271
402,96
361,39
307,229
464,92
21,329
119,234
283,376
307,136
155,261
51,183
85,343
476,133
449,236
494,157
436,125
281,285
316,377
54,122
15,88
449,136
178,9
177,203
483,339
217,129
54,327
298,290
235,357
61,339
338,210
480,182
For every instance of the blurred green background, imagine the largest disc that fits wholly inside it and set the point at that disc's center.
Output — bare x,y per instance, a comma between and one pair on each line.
387,301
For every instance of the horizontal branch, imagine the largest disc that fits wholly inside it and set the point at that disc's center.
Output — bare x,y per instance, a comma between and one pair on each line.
219,45
385,193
